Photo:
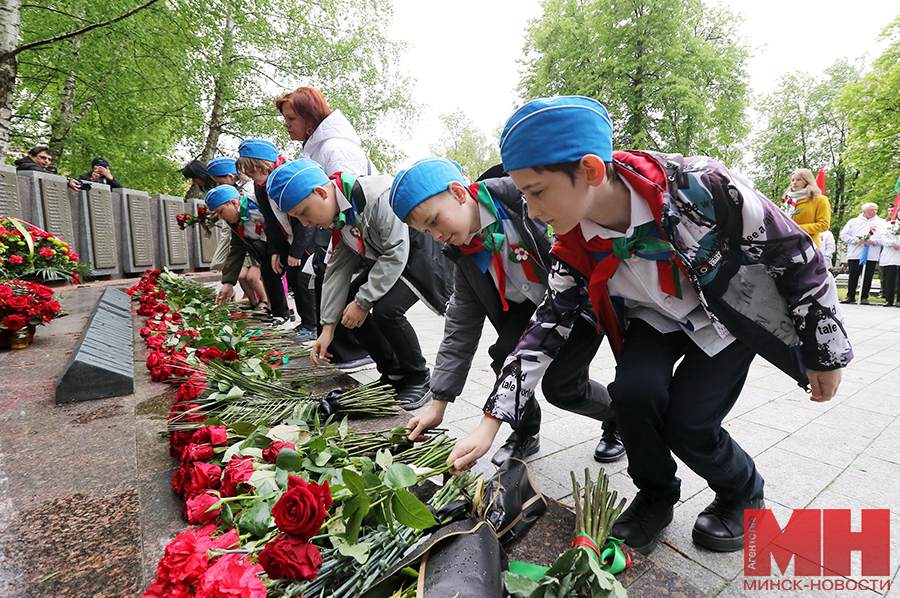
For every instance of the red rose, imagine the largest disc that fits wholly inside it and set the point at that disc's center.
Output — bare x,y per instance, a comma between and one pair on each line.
5,292
42,291
201,211
13,322
290,557
16,259
207,354
301,510
238,471
156,341
196,452
201,477
217,435
19,303
272,452
232,576
185,559
175,316
160,374
189,392
46,252
196,508
230,355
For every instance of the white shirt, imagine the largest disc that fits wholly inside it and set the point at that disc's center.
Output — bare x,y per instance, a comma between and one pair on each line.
636,283
859,227
827,245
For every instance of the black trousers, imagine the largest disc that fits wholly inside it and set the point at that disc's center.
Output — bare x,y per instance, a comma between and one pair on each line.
853,279
304,297
278,304
663,409
566,383
890,283
388,336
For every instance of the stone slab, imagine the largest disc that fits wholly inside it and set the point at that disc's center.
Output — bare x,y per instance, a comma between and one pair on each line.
204,245
101,364
173,247
52,210
10,205
98,230
137,248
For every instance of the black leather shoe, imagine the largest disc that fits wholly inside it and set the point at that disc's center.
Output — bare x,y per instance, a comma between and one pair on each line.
412,395
847,300
517,446
720,526
887,305
642,522
610,447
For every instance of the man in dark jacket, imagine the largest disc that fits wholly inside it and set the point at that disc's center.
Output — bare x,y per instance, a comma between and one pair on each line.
37,159
100,174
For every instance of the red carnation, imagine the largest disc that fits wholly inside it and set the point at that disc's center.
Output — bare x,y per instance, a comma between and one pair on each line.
16,259
5,292
230,576
290,557
186,558
73,257
46,252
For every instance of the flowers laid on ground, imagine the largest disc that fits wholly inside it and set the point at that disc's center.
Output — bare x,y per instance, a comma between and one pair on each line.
203,219
25,304
26,250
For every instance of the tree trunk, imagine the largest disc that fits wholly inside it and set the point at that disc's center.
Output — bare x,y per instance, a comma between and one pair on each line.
222,89
9,39
65,119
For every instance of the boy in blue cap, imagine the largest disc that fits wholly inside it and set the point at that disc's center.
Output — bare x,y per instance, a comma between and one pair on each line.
248,238
401,269
502,258
674,254
290,244
222,171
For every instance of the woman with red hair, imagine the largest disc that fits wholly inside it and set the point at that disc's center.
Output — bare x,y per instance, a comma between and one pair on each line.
328,137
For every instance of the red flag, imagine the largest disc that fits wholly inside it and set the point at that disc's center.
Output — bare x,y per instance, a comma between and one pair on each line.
820,178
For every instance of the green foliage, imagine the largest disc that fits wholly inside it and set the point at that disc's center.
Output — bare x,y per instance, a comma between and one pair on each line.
574,575
805,126
467,145
873,109
184,79
672,75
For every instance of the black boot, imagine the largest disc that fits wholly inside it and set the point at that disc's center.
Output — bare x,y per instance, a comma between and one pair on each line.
720,526
517,446
610,447
642,522
412,394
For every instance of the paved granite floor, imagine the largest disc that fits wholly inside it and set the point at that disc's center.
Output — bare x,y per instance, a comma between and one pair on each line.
843,454
85,506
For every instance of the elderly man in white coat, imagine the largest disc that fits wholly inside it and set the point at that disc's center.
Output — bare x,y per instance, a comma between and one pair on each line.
890,263
861,234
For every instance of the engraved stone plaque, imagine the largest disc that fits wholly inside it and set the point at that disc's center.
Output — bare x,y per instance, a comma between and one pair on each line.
9,193
56,210
174,237
102,229
140,224
205,244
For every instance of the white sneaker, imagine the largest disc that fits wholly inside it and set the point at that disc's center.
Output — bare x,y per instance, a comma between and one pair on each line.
282,323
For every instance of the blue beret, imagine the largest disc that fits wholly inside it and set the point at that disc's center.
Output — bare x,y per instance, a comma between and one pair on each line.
258,148
222,194
426,178
292,182
221,167
556,130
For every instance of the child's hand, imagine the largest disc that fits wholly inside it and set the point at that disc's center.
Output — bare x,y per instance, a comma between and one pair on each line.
824,385
426,421
319,352
354,315
471,448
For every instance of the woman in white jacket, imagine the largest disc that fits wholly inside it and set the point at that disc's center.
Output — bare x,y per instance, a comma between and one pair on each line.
890,263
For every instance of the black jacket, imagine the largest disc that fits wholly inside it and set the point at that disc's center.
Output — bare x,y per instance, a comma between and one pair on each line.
113,183
27,163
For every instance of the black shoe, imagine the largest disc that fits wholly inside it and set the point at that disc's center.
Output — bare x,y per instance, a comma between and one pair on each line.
864,302
517,446
354,365
413,395
610,447
720,526
847,300
642,522
887,305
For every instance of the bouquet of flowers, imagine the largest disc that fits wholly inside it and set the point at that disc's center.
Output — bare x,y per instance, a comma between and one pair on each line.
204,219
862,239
25,304
26,250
